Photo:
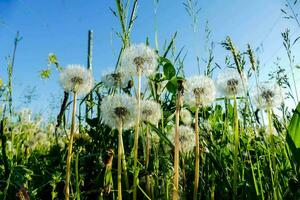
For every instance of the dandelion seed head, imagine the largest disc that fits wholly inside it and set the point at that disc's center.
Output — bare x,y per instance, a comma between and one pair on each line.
185,116
116,109
75,78
138,56
200,91
231,83
150,111
268,95
115,79
186,138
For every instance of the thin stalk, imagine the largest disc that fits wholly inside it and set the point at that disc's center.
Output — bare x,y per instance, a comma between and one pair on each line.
77,176
124,165
236,148
197,155
120,127
148,147
136,134
273,164
183,178
177,143
70,147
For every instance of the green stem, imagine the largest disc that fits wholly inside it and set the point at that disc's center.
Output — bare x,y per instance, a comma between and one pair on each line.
272,158
136,134
148,147
70,148
197,155
77,176
120,161
236,148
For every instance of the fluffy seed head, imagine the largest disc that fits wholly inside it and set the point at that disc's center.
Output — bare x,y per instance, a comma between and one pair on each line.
186,138
138,56
115,79
267,95
75,78
150,111
185,116
116,109
231,83
200,91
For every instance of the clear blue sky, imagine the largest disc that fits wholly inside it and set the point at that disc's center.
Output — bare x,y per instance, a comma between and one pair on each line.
61,26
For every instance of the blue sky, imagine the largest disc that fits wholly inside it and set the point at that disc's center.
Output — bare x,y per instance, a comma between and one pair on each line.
61,26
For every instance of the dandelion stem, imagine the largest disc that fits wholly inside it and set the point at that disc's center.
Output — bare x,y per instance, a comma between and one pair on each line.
124,165
236,148
273,164
148,147
120,161
70,147
177,143
197,155
136,134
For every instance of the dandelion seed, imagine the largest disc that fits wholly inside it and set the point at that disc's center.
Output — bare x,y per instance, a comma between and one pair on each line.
138,56
231,83
185,116
115,79
75,78
200,91
116,109
186,138
150,111
268,95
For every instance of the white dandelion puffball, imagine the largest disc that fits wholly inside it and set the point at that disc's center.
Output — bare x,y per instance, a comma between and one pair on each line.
115,79
186,116
76,78
138,56
150,111
118,109
268,95
231,83
186,138
200,91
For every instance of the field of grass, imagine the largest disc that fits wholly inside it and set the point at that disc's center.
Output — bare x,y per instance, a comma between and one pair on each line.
147,131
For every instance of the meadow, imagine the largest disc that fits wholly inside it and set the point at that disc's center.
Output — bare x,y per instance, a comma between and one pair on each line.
147,131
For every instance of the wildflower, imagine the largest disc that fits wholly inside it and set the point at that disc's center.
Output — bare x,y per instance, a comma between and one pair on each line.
186,116
150,111
138,56
200,91
186,138
76,78
115,79
117,109
231,83
268,95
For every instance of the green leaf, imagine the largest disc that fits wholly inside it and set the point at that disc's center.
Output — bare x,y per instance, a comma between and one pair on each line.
294,127
169,70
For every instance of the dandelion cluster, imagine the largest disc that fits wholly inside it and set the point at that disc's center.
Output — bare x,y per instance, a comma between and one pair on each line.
186,138
138,56
231,83
200,91
118,109
268,95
